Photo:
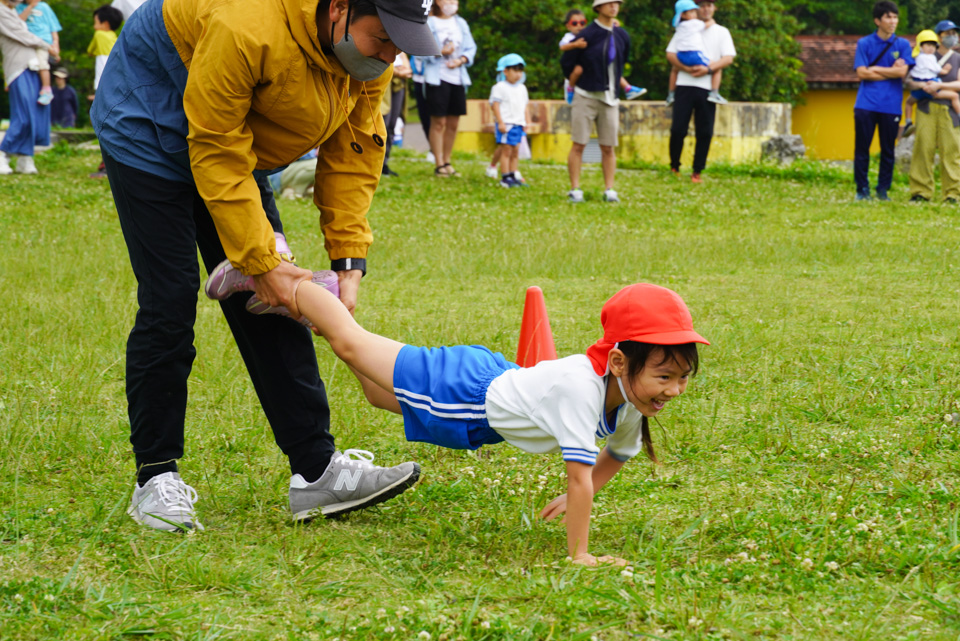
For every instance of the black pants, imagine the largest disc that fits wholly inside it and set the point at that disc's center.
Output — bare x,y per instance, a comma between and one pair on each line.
423,111
397,98
692,101
887,126
163,223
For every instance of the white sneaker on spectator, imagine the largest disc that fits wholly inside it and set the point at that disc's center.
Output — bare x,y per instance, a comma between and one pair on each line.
4,165
715,97
25,165
519,176
575,195
431,158
492,172
611,196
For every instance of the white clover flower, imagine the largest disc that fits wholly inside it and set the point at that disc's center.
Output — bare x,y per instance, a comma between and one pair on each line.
485,625
806,564
694,622
424,635
49,597
627,574
832,566
389,629
18,598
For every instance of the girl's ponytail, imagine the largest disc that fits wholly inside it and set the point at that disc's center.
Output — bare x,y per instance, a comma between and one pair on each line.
647,441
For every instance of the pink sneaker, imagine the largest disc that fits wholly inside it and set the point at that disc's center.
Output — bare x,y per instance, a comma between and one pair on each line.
226,280
326,279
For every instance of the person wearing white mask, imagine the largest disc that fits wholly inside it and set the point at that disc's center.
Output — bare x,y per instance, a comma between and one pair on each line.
446,80
937,127
200,101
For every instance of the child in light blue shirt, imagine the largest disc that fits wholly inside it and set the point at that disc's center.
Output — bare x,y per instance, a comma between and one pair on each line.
42,22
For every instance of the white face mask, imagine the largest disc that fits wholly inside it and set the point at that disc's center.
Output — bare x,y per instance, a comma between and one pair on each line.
950,41
450,8
623,392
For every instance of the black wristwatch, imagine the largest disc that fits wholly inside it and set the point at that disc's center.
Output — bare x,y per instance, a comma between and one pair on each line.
346,264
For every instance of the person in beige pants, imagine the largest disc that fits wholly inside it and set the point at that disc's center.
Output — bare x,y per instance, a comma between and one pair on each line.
938,129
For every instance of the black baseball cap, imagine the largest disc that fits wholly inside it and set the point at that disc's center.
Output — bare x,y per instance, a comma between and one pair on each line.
406,24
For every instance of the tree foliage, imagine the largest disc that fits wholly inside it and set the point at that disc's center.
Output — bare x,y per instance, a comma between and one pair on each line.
856,16
766,68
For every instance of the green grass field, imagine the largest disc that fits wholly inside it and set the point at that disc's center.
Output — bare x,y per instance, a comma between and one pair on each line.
809,486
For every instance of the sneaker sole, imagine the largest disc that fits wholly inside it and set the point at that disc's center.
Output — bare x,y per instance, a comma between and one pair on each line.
339,509
172,526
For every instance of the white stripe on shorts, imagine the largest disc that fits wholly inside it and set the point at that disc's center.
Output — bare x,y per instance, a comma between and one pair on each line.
423,406
444,406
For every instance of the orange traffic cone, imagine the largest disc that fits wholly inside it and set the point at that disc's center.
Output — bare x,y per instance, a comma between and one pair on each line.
536,338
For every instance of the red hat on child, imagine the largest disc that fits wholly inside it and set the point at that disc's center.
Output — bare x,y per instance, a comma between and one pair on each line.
643,313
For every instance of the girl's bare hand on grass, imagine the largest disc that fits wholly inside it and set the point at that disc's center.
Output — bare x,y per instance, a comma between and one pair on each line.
555,508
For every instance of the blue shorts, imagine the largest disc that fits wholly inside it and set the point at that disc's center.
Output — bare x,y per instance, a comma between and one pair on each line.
693,58
920,94
443,392
513,136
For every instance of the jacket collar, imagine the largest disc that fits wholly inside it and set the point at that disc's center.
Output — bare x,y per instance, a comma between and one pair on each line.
302,23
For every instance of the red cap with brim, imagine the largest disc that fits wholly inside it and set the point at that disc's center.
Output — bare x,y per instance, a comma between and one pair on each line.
643,313
406,24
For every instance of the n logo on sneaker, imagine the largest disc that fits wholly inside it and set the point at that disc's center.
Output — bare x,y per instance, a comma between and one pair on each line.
348,479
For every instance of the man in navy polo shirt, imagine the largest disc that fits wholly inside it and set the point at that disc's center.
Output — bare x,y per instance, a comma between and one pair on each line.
881,63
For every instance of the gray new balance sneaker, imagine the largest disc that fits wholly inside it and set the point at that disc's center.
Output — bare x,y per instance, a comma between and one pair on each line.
165,503
351,482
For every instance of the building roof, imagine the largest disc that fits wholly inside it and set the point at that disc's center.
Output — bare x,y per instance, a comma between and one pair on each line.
828,59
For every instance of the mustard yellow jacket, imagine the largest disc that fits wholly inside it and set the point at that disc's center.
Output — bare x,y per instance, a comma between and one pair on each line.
258,93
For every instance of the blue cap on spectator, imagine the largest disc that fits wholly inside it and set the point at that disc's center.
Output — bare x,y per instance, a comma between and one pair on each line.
510,60
680,7
944,25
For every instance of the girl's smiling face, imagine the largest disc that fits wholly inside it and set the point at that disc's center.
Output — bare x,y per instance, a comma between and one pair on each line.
656,384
